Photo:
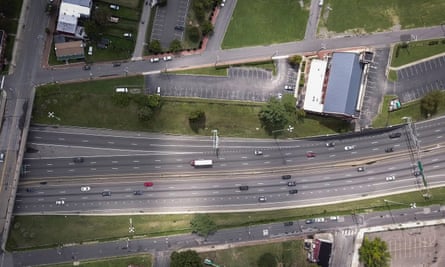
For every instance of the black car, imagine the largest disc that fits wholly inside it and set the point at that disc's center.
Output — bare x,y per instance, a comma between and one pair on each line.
116,64
244,188
137,193
106,193
286,177
395,135
292,183
330,144
179,28
29,190
293,191
288,223
389,149
86,67
78,160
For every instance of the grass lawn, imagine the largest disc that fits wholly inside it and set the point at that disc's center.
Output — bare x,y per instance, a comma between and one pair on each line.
9,23
266,22
89,104
416,51
222,70
139,261
289,253
379,15
40,231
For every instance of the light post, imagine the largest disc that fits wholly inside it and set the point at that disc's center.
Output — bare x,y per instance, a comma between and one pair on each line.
290,128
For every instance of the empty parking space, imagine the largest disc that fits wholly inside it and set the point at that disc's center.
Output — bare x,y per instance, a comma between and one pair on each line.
417,80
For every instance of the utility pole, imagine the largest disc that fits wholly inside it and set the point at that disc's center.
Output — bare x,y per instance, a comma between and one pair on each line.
215,139
290,128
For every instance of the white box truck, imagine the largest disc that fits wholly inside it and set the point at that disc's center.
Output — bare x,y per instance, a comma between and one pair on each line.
201,163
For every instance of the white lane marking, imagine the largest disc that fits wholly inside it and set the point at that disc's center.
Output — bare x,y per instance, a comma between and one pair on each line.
267,162
370,178
49,164
61,139
110,142
136,167
375,142
134,144
331,156
92,162
438,130
376,148
245,163
434,160
135,161
354,152
71,170
114,161
49,170
438,137
93,169
391,168
85,141
157,160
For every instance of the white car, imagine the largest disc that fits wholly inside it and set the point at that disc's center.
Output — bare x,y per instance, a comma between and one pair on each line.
223,2
280,95
347,148
154,59
60,202
319,220
258,152
128,35
390,178
167,58
85,188
262,199
114,7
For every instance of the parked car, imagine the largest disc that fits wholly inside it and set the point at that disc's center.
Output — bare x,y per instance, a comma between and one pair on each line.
310,154
286,177
114,7
244,188
167,58
309,221
148,184
293,191
390,178
128,35
179,28
154,59
361,169
389,149
395,135
85,188
258,152
262,199
292,183
347,148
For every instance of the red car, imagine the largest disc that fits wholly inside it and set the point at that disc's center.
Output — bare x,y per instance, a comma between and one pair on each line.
148,184
310,154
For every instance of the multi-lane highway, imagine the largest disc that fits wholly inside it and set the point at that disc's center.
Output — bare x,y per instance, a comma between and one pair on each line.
121,162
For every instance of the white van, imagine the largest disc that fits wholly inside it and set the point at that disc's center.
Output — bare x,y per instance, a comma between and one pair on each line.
122,90
320,3
158,90
90,50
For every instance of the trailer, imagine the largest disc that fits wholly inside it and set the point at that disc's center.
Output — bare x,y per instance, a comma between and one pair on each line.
201,163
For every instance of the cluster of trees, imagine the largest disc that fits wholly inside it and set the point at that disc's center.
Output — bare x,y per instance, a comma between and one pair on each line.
197,120
147,104
374,253
278,113
430,103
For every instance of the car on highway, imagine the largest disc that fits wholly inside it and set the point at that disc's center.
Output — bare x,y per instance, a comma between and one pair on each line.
86,67
106,193
389,149
262,199
291,183
60,202
361,169
293,191
244,187
78,160
258,152
330,144
167,58
395,135
286,177
148,184
390,178
347,148
309,221
416,173
137,193
85,188
288,223
319,220
154,59
2,156
310,154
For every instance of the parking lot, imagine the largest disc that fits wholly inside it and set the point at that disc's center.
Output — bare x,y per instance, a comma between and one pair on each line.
166,19
415,247
241,83
418,80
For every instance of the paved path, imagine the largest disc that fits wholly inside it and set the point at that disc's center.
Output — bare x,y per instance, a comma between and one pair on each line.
142,29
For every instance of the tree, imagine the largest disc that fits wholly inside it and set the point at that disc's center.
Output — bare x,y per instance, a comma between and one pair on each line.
145,113
294,61
175,46
267,260
273,115
194,34
162,2
431,102
374,253
203,225
188,258
155,47
101,16
207,28
92,30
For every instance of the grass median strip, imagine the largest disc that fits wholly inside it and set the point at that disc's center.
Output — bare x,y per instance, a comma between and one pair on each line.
139,261
39,231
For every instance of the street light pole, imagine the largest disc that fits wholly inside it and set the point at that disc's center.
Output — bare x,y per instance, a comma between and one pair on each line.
290,128
215,139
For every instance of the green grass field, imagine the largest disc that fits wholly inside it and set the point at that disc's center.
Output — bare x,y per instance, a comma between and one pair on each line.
266,22
289,253
136,261
40,231
380,15
416,51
